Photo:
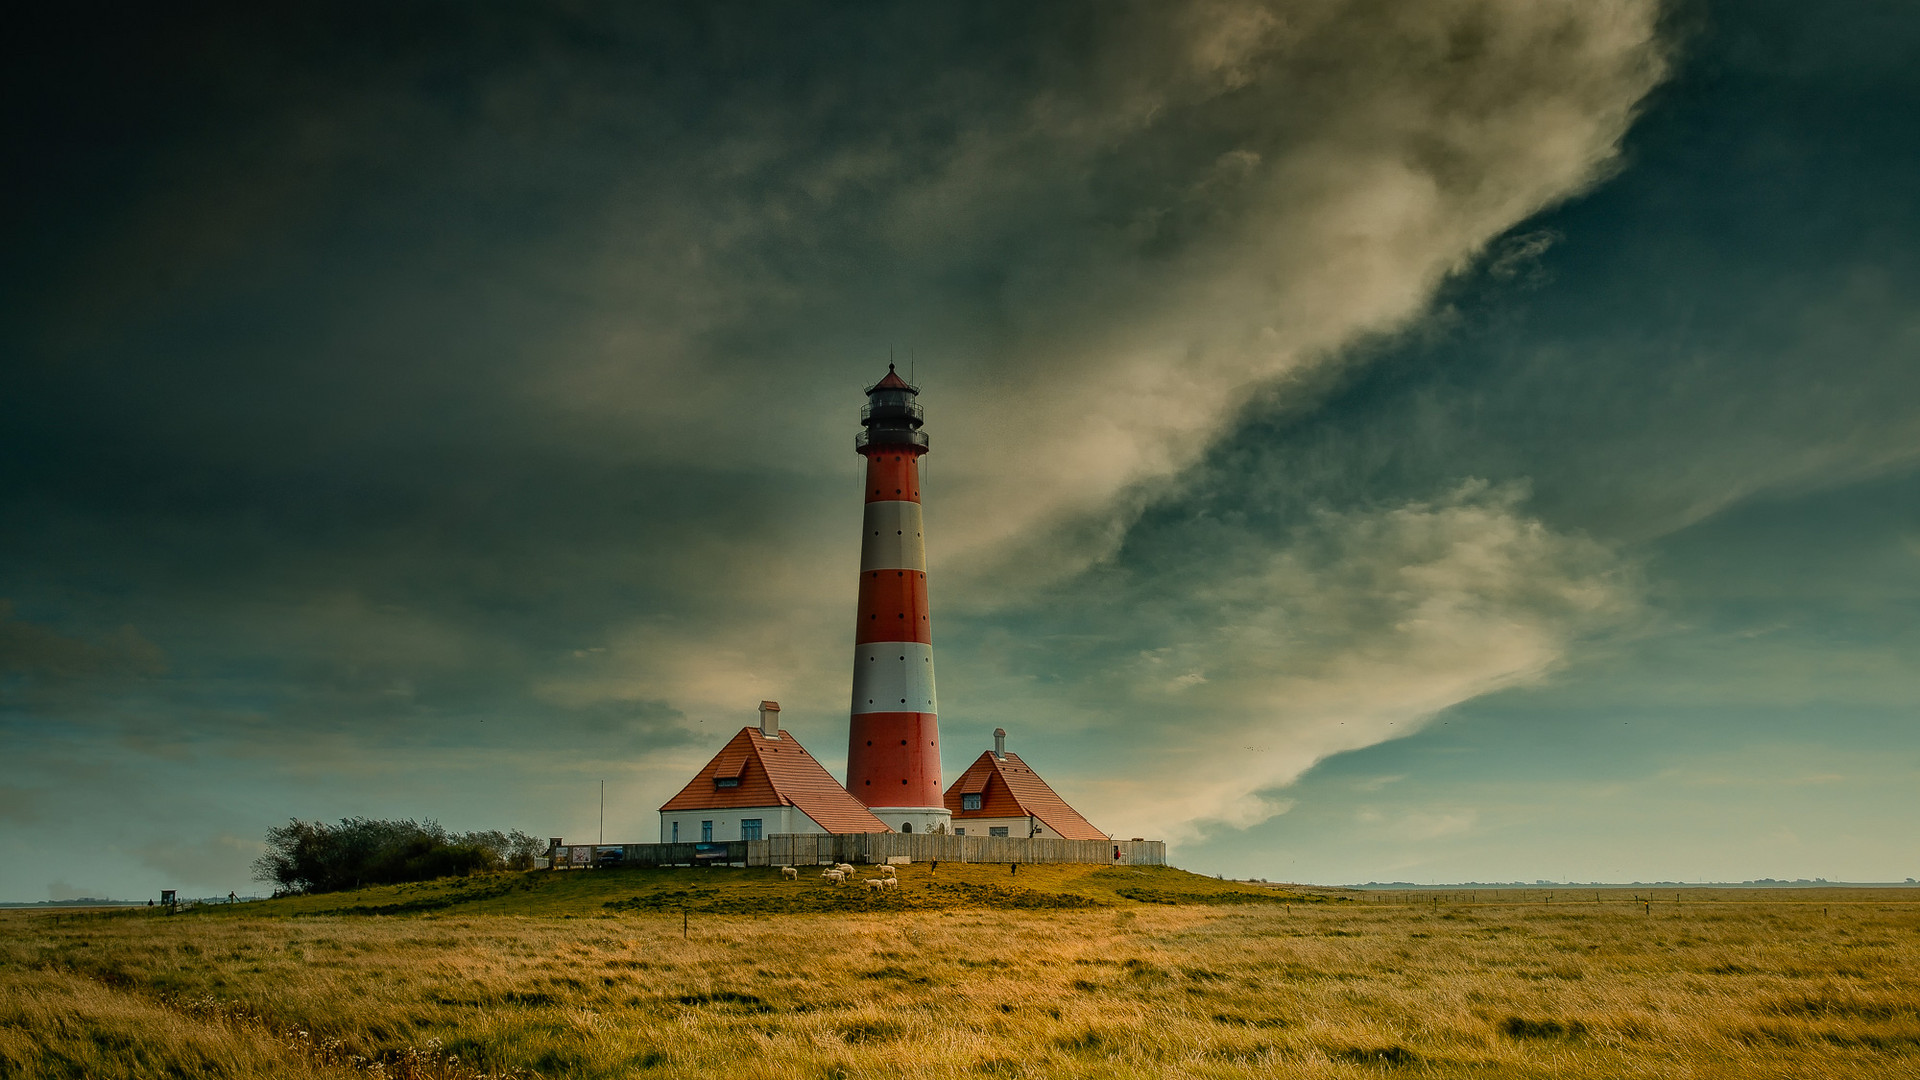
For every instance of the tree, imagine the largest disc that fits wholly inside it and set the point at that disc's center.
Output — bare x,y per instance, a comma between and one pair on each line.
312,856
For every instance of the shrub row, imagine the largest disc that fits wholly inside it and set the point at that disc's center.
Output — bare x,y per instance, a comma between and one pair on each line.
313,856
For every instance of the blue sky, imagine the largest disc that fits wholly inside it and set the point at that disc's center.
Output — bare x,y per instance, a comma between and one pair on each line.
1449,441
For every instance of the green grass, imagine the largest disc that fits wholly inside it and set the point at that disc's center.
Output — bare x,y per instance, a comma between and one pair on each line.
763,891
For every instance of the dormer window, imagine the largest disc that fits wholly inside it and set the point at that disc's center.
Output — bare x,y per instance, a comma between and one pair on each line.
969,802
726,781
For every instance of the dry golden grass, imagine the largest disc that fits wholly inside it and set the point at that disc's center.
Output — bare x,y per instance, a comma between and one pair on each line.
1717,986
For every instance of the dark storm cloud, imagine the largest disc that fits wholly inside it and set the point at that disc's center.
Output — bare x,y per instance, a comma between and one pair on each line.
38,655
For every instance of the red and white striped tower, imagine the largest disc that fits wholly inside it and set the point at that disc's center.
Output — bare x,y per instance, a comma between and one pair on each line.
893,746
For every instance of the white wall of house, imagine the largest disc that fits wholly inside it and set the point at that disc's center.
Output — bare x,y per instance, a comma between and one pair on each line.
726,823
1015,826
923,819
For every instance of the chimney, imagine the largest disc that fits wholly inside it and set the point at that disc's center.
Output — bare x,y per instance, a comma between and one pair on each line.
1000,743
770,719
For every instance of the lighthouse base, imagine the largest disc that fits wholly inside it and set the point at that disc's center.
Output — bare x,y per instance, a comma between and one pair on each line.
915,819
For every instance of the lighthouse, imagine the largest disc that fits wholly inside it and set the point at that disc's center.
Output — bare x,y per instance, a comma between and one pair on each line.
763,785
893,746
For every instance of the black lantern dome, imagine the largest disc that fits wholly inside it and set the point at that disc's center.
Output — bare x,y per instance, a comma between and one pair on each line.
891,416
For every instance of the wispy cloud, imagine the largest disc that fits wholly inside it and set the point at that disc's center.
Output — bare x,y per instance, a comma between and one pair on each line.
1351,628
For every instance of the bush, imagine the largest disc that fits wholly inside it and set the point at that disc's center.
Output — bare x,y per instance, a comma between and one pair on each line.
312,856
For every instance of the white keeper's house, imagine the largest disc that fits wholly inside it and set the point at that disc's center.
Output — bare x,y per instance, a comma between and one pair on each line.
762,783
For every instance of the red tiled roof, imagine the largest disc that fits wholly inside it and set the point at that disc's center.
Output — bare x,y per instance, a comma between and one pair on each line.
775,772
1008,787
731,761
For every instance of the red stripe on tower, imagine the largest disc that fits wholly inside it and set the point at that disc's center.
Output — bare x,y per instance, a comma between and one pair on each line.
893,746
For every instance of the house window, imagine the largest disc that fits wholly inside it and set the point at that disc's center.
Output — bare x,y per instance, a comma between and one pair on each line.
906,826
676,832
970,802
706,832
959,832
726,781
996,830
750,828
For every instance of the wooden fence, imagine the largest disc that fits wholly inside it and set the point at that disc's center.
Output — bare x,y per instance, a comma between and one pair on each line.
805,850
822,850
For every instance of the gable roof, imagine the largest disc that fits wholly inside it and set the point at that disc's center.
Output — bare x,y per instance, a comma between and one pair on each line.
775,772
1008,787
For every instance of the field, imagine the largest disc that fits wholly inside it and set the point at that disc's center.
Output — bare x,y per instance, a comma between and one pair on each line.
1060,971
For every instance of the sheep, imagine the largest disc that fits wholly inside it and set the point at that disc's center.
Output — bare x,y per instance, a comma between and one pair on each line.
790,873
833,876
875,884
889,871
889,882
845,868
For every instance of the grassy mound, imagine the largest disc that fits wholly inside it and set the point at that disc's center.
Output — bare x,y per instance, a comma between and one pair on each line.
763,891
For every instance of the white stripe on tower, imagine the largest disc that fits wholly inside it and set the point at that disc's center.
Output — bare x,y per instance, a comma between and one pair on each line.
893,676
891,539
